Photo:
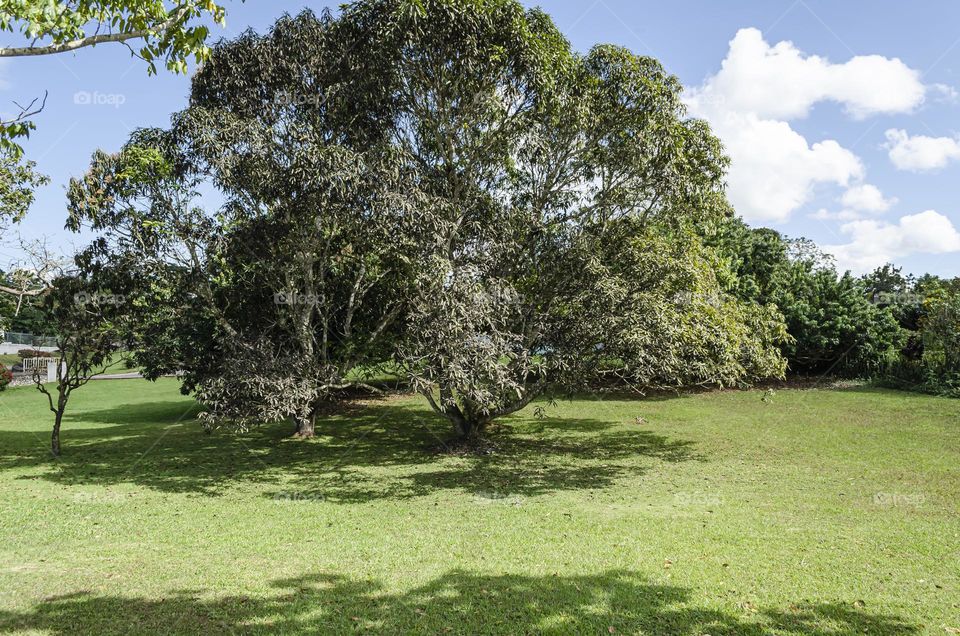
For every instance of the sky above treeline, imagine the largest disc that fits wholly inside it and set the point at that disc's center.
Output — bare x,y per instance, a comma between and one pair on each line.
841,118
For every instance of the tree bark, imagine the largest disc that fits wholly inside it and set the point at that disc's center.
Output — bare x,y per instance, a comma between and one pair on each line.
55,437
306,426
471,429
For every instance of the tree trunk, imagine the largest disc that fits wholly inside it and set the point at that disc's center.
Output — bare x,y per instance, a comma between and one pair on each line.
470,428
306,426
55,438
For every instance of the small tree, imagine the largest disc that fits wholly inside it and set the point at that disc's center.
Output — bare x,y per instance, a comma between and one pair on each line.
86,339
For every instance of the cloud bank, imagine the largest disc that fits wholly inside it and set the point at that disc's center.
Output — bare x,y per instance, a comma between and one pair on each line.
761,87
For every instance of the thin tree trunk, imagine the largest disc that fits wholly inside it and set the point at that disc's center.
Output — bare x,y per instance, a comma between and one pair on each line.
307,426
55,437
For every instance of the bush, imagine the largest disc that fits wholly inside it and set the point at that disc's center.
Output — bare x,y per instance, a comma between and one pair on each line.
914,375
33,353
6,377
835,328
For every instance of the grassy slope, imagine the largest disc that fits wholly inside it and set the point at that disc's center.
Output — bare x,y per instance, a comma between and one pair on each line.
719,514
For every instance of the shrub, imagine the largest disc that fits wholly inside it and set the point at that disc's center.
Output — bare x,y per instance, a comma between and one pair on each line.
835,327
6,377
33,353
914,375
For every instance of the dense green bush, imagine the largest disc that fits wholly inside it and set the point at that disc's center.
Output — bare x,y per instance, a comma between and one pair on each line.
835,326
928,310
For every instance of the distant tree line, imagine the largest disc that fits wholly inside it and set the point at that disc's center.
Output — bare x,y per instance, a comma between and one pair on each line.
899,329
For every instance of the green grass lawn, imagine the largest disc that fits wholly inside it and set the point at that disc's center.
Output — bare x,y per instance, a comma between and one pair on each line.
822,512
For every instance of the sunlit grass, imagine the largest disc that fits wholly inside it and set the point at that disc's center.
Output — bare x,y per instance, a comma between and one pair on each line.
816,512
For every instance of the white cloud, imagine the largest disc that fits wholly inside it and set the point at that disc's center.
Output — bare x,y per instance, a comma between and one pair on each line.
781,82
775,170
874,243
866,198
843,215
921,153
945,93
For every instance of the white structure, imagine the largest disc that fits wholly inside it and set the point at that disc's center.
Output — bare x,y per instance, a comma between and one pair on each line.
52,369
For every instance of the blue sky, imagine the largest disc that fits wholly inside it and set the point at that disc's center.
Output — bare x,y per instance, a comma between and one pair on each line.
841,117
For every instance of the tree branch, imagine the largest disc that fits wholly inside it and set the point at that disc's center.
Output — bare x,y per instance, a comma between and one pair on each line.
93,40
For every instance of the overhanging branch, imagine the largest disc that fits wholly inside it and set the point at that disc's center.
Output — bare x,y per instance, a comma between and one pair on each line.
93,40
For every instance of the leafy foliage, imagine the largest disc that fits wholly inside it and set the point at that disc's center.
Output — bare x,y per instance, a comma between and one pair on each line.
18,180
565,191
150,247
168,29
302,276
442,183
929,309
170,32
835,326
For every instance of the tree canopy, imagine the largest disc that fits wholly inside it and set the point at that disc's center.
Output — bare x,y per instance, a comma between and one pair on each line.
567,192
444,185
447,188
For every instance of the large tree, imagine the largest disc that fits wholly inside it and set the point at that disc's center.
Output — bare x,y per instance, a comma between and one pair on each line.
324,231
447,184
283,300
568,194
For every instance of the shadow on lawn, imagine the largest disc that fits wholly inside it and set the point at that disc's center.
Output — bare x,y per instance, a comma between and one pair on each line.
457,603
369,451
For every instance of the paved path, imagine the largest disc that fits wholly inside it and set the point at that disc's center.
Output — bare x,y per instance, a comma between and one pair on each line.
117,376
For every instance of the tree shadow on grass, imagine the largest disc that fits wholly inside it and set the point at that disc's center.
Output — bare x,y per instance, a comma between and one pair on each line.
368,451
456,603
